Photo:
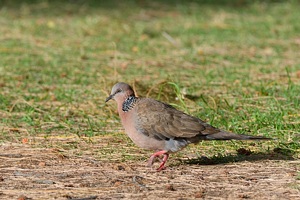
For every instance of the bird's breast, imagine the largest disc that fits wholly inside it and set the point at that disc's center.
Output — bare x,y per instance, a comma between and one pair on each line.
140,139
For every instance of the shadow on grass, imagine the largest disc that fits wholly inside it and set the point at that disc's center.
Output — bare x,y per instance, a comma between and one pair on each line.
224,159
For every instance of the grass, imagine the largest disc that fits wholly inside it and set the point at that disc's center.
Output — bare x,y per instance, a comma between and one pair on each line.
231,63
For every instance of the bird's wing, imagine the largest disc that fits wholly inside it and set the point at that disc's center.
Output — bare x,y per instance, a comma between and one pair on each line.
162,121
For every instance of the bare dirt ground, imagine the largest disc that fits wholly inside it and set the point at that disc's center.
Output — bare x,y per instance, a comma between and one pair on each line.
31,172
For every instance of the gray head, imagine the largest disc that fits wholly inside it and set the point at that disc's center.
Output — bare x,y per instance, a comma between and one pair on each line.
120,91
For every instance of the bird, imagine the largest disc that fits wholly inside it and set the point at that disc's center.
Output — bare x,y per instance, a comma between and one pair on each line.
158,126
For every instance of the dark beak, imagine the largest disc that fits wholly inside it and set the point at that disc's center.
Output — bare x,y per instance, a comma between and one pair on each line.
109,98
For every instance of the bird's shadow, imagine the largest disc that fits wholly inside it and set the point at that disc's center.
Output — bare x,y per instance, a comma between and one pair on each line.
244,155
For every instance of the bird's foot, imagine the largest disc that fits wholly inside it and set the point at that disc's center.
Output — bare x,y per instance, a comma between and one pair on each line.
164,160
162,164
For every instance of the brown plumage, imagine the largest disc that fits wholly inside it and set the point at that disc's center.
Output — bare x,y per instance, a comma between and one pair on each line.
154,125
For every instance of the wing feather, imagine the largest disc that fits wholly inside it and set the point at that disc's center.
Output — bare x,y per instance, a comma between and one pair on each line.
162,121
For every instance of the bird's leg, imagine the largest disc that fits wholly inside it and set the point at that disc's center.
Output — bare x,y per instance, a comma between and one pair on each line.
162,164
153,156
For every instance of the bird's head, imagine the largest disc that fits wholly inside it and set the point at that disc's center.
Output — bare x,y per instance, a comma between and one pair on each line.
120,92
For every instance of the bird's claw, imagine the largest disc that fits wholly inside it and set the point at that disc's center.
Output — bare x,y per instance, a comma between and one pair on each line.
162,161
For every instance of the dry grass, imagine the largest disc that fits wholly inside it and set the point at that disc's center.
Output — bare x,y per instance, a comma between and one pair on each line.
53,173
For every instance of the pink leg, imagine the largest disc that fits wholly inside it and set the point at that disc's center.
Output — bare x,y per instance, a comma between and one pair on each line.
162,164
164,160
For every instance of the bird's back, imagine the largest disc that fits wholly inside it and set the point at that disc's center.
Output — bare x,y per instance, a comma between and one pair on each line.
163,122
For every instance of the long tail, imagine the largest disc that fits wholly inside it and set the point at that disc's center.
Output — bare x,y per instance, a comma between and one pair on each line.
222,135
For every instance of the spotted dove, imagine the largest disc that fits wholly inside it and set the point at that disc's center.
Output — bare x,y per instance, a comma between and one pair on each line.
157,126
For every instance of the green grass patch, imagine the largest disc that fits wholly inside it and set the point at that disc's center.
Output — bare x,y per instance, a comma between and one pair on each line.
234,64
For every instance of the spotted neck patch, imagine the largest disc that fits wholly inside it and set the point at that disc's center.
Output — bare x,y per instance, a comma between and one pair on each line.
129,103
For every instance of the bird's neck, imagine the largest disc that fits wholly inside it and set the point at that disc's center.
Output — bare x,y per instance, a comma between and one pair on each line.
129,103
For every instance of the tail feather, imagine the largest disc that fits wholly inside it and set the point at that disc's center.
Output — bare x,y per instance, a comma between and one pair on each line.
222,135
